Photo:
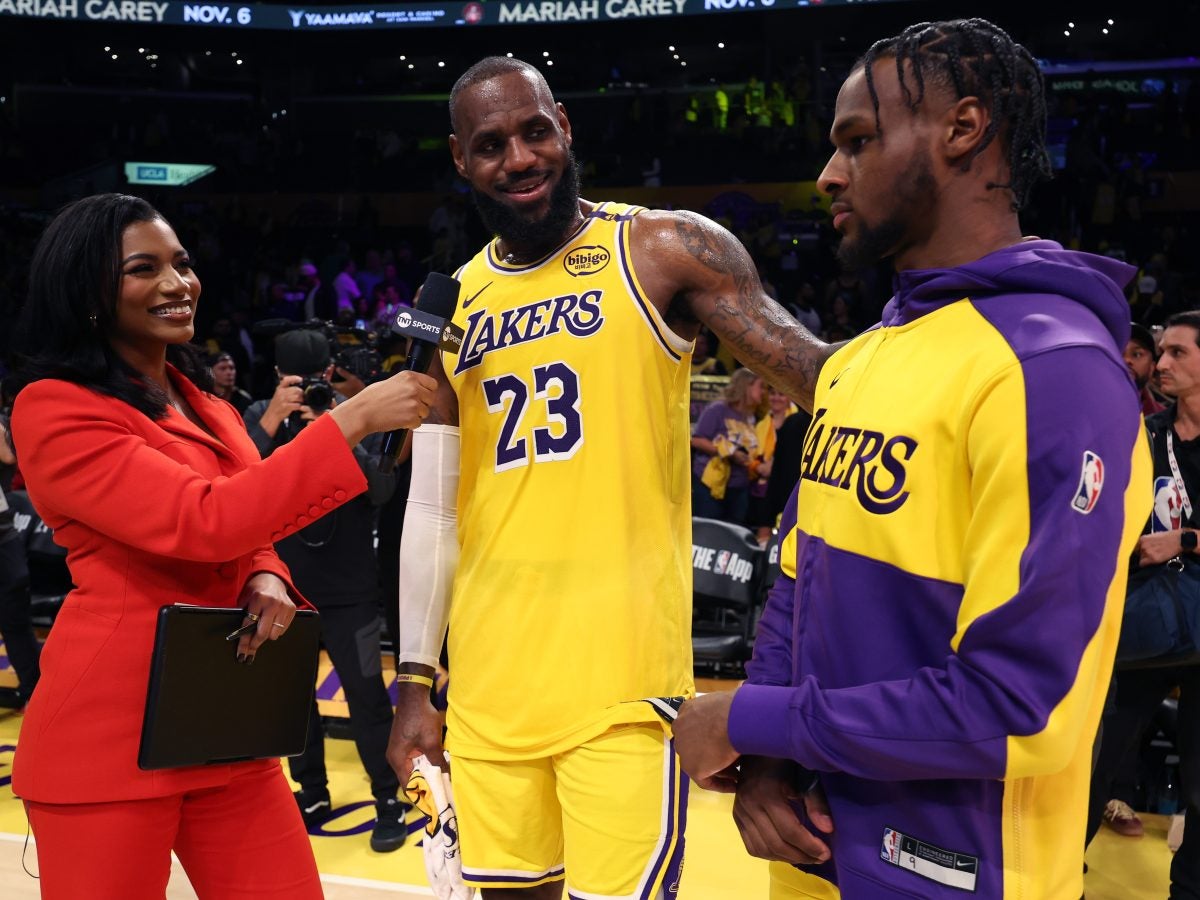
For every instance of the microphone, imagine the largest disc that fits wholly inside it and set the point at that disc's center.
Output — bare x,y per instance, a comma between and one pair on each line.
426,325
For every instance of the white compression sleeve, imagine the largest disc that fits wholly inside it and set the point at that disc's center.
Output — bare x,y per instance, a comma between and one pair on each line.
429,545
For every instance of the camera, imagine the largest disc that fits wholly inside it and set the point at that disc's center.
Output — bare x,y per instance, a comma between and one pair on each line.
318,393
353,349
356,351
308,349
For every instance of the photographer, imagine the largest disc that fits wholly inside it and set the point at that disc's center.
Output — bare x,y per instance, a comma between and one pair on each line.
333,564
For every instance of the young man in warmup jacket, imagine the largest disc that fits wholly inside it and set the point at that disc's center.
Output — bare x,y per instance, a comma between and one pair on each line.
939,645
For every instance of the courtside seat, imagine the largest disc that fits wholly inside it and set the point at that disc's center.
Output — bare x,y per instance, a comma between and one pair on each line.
49,578
727,566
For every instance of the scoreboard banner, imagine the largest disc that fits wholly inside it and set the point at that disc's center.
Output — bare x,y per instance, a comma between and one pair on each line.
301,17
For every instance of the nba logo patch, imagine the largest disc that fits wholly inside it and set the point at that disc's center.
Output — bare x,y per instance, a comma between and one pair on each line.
1168,506
722,562
891,846
1091,481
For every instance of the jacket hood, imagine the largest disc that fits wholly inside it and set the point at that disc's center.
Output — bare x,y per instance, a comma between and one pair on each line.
1030,267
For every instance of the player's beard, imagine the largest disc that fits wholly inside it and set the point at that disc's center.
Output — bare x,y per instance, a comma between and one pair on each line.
912,194
535,237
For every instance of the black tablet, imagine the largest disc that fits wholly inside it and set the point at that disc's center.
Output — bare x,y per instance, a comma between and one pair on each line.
203,706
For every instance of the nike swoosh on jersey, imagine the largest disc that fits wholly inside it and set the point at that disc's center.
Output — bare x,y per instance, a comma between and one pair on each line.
471,299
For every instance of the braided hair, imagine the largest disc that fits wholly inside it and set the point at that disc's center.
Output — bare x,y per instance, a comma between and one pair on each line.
973,57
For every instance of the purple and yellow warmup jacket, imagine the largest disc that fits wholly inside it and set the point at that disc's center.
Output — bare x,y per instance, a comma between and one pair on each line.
940,643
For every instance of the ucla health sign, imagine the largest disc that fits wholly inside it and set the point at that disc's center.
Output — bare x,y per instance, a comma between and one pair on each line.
389,15
167,174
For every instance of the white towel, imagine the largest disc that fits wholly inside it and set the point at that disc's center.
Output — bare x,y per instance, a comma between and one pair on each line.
429,790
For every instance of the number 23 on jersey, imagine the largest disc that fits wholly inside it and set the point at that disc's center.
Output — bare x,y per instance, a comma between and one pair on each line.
554,384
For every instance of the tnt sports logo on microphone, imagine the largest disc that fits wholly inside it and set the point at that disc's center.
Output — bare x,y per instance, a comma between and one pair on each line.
586,260
407,323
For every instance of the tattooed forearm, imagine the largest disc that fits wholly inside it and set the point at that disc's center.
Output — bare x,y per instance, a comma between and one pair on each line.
765,338
758,330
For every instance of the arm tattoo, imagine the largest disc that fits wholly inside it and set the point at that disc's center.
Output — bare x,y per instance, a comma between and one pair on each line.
760,332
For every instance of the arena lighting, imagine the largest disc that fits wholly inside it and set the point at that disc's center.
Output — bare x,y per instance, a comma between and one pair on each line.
410,65
545,53
403,57
720,45
675,56
1070,24
441,64
1104,31
239,62
1110,22
1067,33
670,49
141,49
114,56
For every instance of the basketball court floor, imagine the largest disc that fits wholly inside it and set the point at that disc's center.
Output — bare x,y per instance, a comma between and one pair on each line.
716,866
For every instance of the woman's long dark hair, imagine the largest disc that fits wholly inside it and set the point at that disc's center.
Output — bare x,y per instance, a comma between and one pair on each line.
74,284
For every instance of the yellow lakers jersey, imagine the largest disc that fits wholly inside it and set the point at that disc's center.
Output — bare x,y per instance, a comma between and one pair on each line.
572,598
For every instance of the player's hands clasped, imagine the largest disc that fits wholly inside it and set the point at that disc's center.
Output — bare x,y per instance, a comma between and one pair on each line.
764,811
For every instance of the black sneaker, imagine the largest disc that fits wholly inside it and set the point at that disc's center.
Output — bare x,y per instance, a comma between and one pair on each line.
314,804
390,831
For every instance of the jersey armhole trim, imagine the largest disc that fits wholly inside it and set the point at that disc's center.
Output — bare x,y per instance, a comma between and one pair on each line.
672,344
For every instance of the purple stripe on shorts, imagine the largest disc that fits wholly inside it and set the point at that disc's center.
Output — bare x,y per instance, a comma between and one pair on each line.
676,804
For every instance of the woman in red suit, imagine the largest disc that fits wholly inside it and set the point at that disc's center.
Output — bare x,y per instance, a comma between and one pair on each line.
159,496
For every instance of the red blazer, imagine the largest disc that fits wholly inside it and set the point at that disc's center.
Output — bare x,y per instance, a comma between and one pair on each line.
151,512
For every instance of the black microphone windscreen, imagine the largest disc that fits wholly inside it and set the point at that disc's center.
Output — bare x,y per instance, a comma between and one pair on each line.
439,295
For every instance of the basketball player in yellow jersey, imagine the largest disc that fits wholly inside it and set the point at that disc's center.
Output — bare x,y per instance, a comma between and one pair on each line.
549,518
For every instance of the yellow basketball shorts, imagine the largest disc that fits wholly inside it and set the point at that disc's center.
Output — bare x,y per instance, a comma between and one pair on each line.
790,883
608,816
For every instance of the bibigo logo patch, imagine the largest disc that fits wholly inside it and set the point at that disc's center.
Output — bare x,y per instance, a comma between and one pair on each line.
586,260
